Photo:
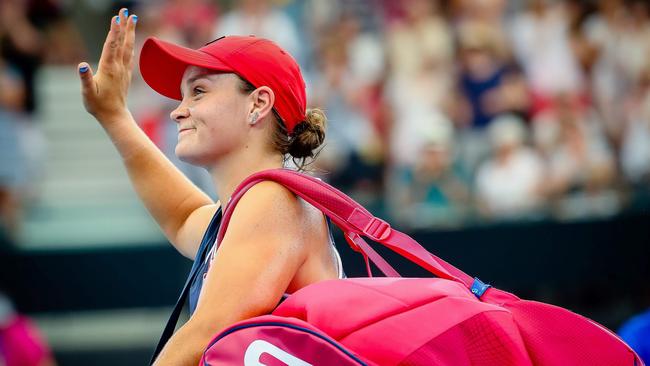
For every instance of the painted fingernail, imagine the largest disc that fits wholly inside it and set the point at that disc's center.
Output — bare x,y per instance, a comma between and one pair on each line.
83,69
135,19
117,21
126,12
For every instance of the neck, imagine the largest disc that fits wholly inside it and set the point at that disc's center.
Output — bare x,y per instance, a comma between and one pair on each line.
232,169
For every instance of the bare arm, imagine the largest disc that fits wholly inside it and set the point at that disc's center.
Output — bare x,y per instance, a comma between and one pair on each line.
181,209
260,254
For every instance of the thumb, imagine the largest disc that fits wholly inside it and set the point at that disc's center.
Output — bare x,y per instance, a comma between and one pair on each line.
86,75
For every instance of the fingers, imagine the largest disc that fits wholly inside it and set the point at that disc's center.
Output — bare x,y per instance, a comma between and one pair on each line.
118,46
122,22
111,45
87,81
129,41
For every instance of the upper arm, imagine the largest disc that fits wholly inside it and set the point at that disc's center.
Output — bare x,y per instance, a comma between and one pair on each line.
189,235
260,253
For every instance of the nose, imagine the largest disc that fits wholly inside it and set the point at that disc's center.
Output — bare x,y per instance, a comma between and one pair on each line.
181,112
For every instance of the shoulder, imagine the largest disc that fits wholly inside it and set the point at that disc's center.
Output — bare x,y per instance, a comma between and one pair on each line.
268,195
268,205
269,224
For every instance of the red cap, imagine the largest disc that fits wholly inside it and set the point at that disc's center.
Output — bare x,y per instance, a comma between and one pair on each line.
257,60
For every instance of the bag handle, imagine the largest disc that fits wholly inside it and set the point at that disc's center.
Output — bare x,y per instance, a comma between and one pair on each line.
350,217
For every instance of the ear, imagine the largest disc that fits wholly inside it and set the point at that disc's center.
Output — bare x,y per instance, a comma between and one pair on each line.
263,100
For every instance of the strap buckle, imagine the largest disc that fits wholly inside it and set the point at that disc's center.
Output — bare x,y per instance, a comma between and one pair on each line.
377,229
372,227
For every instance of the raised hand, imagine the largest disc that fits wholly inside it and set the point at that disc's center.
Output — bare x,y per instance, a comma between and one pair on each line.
104,92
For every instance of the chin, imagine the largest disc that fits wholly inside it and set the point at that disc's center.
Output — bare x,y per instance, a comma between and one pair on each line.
194,158
188,157
188,160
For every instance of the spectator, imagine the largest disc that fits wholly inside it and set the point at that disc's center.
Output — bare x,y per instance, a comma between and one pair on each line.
367,63
486,14
420,55
420,46
488,85
433,192
64,45
20,342
580,163
483,72
621,34
12,166
192,21
21,44
508,183
584,51
636,333
635,152
540,40
370,14
23,41
351,150
261,18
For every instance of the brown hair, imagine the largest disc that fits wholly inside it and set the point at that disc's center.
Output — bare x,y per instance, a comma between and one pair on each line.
306,137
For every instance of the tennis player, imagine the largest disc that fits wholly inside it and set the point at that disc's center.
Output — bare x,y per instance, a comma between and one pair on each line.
242,110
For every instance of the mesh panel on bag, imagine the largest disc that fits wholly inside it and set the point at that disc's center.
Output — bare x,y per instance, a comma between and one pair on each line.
480,340
555,336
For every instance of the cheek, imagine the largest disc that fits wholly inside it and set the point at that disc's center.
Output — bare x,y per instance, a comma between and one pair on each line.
218,123
220,126
219,112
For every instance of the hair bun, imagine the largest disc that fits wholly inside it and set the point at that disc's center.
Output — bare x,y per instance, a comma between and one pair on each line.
308,135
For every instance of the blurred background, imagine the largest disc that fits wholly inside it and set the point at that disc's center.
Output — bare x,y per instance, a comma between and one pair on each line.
512,138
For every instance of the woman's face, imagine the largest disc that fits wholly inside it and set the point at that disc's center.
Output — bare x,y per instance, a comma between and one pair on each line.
212,116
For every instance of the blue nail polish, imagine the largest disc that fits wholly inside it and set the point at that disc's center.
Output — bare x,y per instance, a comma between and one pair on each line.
126,12
135,19
117,21
83,69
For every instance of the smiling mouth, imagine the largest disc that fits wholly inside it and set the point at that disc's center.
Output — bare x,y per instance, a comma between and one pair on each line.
185,130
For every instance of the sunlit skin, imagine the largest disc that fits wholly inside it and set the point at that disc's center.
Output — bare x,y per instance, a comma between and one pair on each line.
204,117
275,242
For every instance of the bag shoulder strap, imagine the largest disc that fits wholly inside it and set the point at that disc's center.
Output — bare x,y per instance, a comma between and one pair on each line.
350,217
206,243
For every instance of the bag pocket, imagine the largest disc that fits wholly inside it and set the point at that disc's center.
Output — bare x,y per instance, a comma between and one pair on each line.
272,340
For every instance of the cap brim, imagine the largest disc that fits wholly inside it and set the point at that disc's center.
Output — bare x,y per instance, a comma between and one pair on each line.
162,65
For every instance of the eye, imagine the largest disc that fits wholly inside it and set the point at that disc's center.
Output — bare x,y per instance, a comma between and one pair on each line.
197,90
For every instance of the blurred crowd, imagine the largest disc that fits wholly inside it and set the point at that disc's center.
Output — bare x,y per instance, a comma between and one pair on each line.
441,113
32,34
448,112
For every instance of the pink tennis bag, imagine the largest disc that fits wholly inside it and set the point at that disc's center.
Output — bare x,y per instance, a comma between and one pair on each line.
450,319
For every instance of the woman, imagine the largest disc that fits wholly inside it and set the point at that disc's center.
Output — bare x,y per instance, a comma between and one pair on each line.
242,110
